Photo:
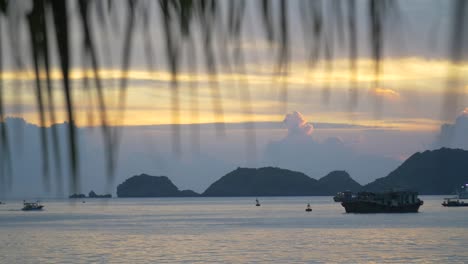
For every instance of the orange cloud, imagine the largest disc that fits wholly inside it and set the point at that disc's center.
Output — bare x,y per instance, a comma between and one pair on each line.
385,93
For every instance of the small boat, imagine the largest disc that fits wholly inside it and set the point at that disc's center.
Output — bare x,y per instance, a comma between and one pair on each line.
257,203
32,206
308,208
453,202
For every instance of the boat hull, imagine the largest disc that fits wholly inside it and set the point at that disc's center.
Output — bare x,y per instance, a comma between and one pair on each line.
455,204
39,208
366,207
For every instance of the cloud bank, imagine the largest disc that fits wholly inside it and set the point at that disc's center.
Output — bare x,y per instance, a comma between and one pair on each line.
315,149
299,150
454,135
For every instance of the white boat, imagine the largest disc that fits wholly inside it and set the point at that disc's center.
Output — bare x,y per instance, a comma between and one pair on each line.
454,202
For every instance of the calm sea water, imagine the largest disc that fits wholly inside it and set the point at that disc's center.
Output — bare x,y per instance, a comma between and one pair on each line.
229,230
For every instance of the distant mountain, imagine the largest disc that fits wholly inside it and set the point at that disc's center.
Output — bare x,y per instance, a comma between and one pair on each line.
267,181
151,186
431,172
271,181
91,194
77,196
337,181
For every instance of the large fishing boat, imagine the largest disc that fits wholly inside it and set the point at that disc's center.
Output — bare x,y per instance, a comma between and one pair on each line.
343,196
384,202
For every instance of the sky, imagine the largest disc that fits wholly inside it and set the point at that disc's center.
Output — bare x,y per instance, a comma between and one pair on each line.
306,120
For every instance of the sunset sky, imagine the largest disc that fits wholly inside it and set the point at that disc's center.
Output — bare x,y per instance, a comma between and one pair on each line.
416,75
396,112
411,93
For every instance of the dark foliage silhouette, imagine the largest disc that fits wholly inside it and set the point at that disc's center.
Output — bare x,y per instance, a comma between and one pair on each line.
186,26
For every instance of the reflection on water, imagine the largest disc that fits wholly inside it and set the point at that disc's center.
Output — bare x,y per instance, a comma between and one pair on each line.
228,230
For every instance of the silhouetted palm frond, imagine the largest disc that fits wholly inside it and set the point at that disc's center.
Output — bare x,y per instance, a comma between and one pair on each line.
208,32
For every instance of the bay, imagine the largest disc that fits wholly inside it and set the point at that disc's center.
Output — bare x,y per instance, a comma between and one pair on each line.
228,230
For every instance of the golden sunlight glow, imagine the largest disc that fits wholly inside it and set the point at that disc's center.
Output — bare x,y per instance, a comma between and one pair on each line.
417,71
149,97
388,94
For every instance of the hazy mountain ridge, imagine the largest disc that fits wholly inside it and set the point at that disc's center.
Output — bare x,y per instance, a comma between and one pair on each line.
430,172
267,181
28,167
151,186
337,181
433,172
270,181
